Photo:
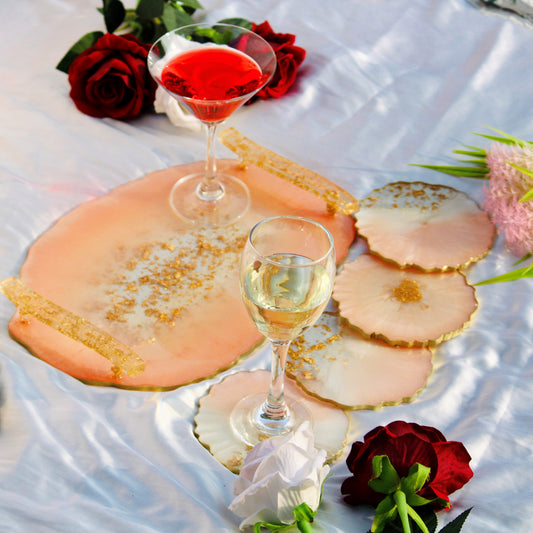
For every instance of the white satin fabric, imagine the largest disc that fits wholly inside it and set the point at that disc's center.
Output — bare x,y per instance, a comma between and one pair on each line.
385,84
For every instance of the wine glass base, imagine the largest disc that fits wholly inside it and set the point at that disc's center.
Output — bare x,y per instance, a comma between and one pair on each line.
230,206
251,426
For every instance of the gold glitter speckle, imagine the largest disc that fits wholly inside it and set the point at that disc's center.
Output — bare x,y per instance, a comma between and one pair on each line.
162,280
407,291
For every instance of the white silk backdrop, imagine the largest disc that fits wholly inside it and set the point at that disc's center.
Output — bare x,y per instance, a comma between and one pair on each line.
384,84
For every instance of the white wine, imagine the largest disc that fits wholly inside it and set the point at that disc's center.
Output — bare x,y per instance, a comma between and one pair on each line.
284,296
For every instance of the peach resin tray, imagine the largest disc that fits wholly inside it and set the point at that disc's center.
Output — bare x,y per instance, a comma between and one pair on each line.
126,267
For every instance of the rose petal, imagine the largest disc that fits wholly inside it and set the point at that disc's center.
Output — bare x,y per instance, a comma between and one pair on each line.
260,501
95,76
453,470
424,432
294,455
276,40
356,490
293,496
279,474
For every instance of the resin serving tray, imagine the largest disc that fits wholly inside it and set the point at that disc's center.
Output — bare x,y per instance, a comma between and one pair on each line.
123,271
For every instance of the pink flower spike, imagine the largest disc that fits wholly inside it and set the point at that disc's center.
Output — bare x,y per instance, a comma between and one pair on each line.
506,186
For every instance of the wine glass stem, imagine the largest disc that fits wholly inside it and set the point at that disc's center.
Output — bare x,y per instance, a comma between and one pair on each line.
210,188
275,407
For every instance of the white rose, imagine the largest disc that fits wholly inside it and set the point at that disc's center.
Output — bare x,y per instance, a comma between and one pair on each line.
165,103
279,474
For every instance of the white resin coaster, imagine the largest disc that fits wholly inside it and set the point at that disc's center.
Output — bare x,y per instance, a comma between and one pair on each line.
214,431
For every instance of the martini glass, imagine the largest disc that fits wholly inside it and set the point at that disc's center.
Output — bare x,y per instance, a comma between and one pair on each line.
211,80
287,274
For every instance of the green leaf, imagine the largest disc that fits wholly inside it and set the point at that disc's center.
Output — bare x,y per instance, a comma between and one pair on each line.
271,527
77,48
174,17
304,516
386,512
114,14
213,35
428,515
416,478
524,258
473,152
385,478
194,4
236,21
480,164
304,512
520,273
150,9
527,172
457,171
477,167
414,500
506,139
527,196
457,523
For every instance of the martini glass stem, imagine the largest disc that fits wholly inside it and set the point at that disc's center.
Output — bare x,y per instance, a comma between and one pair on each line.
274,410
210,188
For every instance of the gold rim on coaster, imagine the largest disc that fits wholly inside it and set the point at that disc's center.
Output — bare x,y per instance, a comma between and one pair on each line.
336,198
123,359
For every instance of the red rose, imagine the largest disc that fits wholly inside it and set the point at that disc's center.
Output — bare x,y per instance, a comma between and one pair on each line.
406,444
111,78
289,58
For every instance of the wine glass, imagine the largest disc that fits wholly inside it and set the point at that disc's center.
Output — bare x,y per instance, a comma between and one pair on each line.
287,273
212,80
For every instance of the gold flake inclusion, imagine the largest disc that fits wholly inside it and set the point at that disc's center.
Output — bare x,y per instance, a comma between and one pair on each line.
337,199
408,291
123,359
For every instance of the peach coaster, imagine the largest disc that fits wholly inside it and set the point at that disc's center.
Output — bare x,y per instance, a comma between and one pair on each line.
127,265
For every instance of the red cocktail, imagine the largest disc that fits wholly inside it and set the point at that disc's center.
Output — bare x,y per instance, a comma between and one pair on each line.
212,81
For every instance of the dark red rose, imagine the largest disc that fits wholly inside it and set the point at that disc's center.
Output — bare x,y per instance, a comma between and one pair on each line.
289,58
111,78
406,444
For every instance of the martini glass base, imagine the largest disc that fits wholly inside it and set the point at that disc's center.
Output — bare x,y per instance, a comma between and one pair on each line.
230,206
251,427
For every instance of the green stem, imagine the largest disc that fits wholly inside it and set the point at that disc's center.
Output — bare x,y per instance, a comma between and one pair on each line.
401,503
416,517
304,526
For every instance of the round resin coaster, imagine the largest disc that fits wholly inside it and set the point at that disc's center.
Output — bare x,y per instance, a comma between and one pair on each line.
125,267
432,227
404,307
333,362
214,431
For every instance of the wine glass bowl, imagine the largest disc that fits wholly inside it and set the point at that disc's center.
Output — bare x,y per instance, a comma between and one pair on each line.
287,273
211,70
